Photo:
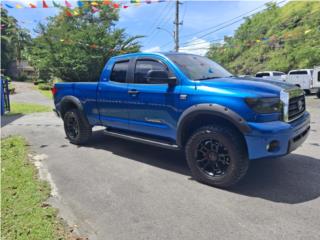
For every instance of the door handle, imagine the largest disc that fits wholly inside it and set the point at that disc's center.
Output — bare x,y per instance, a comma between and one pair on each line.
133,91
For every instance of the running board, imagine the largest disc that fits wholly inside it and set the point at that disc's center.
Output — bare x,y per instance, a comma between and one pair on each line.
141,139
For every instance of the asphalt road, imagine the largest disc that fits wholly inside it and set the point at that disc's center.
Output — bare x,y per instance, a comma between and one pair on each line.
26,93
115,189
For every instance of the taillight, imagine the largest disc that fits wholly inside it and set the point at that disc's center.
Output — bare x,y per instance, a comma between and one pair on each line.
54,90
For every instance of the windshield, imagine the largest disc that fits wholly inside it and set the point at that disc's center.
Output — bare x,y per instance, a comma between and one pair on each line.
197,67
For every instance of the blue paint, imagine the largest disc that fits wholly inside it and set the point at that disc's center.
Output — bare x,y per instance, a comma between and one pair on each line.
157,108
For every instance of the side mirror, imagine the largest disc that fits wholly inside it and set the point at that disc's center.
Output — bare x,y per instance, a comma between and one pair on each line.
160,76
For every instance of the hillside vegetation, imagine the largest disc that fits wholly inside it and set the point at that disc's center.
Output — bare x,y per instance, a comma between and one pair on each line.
278,38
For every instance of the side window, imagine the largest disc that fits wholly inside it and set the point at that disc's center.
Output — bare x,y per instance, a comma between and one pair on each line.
143,67
278,74
299,73
319,76
262,74
119,72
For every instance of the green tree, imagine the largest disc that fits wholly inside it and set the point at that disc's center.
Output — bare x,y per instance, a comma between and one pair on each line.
76,48
14,40
293,40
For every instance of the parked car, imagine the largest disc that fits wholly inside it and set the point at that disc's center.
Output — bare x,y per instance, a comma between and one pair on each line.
188,102
273,75
306,79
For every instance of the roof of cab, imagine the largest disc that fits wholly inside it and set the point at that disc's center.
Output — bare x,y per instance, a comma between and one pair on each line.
128,55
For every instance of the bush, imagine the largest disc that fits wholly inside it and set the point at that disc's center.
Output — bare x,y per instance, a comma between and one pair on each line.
22,78
44,86
38,81
12,89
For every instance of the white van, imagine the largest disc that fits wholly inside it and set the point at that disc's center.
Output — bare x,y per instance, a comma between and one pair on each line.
273,75
306,79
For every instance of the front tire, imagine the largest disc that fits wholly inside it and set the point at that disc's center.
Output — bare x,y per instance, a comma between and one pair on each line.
217,156
318,93
76,127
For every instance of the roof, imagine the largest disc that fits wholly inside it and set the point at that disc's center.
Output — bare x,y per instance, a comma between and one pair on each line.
151,53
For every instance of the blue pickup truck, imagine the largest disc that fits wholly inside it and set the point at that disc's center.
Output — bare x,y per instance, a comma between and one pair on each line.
188,102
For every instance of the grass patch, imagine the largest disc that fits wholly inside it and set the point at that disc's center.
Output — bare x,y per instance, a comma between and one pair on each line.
46,93
27,108
24,215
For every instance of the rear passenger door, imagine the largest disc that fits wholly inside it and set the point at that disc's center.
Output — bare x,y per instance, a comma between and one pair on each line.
153,107
113,95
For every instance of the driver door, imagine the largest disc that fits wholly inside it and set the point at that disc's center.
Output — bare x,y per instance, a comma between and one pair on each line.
152,107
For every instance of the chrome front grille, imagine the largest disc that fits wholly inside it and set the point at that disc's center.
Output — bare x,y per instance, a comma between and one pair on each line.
297,106
293,104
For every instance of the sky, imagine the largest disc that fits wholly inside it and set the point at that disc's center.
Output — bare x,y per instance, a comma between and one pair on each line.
199,28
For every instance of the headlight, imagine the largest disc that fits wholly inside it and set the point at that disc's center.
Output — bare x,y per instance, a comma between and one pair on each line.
264,105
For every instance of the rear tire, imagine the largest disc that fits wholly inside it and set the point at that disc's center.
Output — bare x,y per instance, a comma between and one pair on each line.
76,127
217,156
318,93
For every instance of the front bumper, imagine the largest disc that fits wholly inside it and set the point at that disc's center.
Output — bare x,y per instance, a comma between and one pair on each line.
289,136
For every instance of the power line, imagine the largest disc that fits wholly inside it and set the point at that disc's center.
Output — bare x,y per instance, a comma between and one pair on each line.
153,28
225,26
218,25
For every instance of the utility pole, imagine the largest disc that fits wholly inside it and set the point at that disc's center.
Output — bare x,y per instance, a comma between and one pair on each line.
177,23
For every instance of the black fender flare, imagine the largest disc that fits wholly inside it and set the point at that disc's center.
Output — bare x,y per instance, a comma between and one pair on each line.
211,109
66,100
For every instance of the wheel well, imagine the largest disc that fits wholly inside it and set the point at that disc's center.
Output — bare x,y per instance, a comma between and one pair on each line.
298,85
67,106
201,120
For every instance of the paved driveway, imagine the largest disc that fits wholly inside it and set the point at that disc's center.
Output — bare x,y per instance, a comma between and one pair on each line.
115,189
26,93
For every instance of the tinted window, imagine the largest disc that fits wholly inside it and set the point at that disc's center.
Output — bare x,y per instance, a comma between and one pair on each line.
278,74
299,73
262,74
119,72
197,67
143,67
319,76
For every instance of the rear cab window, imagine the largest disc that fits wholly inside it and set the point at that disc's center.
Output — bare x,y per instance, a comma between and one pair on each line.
263,75
278,74
298,73
119,71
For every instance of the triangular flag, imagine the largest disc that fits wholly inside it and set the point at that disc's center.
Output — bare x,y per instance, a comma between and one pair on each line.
95,4
68,4
106,2
125,6
44,4
94,9
137,2
8,5
116,5
32,5
80,4
18,6
55,4
307,31
76,13
68,13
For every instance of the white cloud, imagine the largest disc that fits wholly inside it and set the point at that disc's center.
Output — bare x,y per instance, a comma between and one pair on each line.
153,49
196,46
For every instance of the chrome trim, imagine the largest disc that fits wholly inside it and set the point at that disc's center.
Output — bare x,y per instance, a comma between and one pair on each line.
285,97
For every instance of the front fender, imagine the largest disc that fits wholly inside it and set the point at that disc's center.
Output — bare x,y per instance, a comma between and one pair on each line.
214,110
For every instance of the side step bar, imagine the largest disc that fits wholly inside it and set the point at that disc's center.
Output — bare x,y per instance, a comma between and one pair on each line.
141,140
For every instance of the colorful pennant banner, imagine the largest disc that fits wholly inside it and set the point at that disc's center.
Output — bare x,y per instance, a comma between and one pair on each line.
80,4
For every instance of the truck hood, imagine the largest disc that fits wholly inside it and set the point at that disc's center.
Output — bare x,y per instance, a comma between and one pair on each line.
251,86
